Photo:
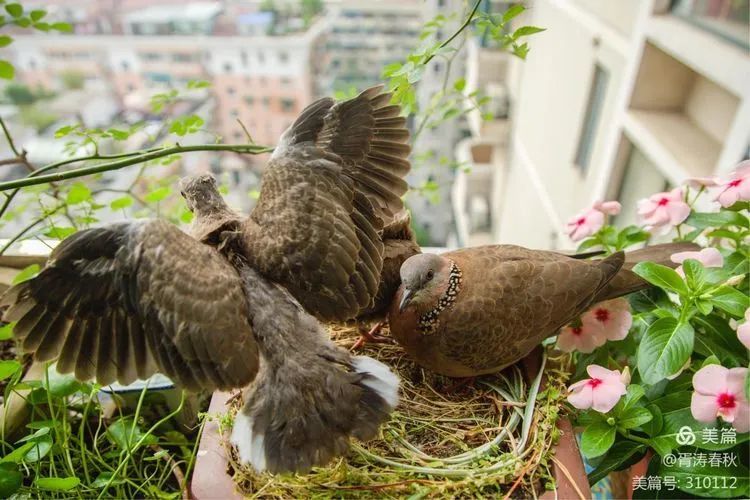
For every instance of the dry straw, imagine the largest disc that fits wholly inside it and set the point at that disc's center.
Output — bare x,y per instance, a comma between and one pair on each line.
487,437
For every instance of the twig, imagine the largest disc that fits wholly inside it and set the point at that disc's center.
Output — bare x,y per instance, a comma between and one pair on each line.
35,178
466,22
247,133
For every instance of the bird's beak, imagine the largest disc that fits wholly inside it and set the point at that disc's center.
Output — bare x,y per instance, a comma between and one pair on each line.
405,299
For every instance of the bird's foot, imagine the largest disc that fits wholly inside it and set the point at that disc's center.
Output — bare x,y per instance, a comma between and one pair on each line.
373,336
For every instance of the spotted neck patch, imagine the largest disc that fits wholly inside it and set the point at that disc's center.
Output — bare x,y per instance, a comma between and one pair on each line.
429,321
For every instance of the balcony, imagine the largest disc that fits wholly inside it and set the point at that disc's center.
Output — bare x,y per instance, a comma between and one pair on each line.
727,19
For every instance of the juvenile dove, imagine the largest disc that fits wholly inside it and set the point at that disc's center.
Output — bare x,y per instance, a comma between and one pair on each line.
220,308
477,310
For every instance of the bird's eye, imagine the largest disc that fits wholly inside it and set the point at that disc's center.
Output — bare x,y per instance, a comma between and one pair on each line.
430,274
182,193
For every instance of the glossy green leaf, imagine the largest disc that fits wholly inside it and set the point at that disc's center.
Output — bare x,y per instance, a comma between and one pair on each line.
597,438
62,27
158,194
39,449
714,337
617,457
512,12
59,232
57,483
11,479
5,40
8,368
664,349
730,300
61,385
695,274
126,436
6,331
702,220
653,427
661,276
634,417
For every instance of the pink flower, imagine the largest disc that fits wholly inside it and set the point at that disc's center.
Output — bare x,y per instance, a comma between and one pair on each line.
608,207
743,331
602,391
709,257
612,318
702,182
587,223
664,210
720,392
582,336
737,188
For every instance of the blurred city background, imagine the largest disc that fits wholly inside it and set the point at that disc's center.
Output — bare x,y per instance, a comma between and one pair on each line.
616,99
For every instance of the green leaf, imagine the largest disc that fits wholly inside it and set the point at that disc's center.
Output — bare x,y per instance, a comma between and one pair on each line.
26,274
654,426
695,274
710,480
526,31
634,417
121,203
661,276
597,438
664,349
158,194
512,12
5,40
43,431
634,394
702,220
459,85
620,453
6,331
8,368
714,337
125,434
62,27
17,455
730,300
7,70
78,193
14,9
105,478
186,125
11,479
60,385
57,483
37,14
39,449
118,135
60,233
198,84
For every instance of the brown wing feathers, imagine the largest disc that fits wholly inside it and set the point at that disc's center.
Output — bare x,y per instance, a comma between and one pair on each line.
120,302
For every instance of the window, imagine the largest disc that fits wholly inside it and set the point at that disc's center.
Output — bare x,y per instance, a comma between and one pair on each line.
591,118
249,100
230,90
243,57
266,102
261,57
283,57
228,67
287,104
727,19
125,65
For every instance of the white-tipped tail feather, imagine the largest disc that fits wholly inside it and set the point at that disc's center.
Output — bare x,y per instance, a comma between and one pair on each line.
249,447
383,380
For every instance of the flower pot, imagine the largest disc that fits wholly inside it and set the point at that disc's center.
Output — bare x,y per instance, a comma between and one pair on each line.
211,478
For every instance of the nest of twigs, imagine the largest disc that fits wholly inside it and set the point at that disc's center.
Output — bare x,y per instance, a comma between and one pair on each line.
491,436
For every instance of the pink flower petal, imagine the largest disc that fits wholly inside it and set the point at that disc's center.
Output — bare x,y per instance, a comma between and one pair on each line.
699,182
607,394
711,380
678,212
742,417
736,382
596,371
582,398
728,197
608,207
704,408
743,333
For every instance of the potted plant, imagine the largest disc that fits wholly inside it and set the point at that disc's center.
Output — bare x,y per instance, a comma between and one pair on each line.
662,378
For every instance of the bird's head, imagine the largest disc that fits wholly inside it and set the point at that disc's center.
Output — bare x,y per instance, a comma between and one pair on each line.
424,279
201,194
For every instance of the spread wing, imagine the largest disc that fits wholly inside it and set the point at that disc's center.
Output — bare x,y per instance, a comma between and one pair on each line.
334,180
127,300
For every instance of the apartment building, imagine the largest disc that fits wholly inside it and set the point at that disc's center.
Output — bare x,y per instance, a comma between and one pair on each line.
618,100
261,80
363,37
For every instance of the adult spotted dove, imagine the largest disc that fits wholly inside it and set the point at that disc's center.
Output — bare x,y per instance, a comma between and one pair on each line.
475,311
230,303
